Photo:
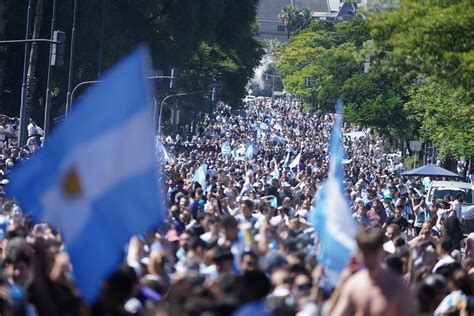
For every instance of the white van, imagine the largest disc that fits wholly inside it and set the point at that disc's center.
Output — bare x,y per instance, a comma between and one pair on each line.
439,189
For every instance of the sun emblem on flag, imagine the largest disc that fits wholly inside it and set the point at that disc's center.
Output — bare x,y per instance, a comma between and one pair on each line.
72,183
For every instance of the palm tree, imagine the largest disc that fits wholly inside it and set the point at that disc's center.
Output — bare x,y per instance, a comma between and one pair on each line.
306,17
288,16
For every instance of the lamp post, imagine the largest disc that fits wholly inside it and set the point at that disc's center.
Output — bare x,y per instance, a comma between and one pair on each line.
23,118
97,81
163,102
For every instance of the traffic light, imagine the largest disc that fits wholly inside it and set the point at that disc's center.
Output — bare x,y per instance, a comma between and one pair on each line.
174,78
57,56
307,82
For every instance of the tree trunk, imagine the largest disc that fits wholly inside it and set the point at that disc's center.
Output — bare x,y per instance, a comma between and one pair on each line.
31,80
4,6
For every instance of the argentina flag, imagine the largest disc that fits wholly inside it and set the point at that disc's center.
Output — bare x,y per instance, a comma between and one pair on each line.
96,177
331,216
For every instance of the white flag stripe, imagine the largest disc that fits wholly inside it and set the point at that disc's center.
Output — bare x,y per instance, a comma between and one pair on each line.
101,164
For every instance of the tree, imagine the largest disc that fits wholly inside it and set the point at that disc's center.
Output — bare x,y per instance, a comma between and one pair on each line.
326,53
288,17
432,37
445,116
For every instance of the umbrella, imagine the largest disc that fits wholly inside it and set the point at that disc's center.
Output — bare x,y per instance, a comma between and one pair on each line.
430,171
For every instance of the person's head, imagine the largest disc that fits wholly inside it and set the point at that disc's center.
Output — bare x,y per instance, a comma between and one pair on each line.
460,197
393,231
199,194
397,213
425,229
302,284
444,247
179,184
19,261
370,243
253,286
430,292
361,210
246,207
230,228
223,258
275,183
249,261
185,240
183,202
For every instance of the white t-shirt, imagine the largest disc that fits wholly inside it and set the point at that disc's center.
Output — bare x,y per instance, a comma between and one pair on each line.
457,209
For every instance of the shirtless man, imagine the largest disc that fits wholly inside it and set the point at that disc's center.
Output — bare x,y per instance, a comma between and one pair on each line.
424,236
374,290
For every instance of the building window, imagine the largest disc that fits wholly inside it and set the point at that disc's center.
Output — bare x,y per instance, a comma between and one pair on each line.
280,28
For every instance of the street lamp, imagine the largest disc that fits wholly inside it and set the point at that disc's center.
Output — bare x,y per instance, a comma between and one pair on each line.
163,102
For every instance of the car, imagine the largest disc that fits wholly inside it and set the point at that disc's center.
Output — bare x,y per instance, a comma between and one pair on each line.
439,189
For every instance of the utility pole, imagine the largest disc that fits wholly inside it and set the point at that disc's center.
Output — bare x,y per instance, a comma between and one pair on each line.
23,118
47,107
71,59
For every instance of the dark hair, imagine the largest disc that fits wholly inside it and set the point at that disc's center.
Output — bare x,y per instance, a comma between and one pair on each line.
395,263
254,285
370,240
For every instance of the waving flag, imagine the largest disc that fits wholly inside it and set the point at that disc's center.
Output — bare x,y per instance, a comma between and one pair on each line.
250,150
225,149
95,178
200,176
295,161
278,139
331,215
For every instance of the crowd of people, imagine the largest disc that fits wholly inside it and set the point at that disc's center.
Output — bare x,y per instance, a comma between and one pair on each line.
238,237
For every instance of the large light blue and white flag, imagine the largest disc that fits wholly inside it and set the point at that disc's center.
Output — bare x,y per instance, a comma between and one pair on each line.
225,149
331,216
295,161
96,177
200,176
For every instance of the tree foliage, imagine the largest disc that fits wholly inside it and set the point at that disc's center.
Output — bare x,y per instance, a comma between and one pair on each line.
432,37
445,115
420,80
326,53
